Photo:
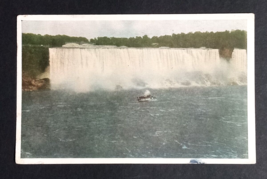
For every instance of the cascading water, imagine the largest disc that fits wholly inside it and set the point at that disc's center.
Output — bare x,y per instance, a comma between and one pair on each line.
87,69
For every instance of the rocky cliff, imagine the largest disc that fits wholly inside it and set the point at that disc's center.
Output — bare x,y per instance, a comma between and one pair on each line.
31,84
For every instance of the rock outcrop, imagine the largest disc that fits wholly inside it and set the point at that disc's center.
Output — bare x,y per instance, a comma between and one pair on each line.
226,53
30,84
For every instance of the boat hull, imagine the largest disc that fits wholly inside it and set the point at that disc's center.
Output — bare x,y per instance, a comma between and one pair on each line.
143,99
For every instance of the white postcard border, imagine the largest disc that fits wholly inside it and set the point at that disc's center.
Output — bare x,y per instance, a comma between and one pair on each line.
250,89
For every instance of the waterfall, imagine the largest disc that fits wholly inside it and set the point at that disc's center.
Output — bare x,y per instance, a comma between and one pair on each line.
86,69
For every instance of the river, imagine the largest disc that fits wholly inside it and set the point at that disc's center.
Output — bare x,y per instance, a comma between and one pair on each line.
188,122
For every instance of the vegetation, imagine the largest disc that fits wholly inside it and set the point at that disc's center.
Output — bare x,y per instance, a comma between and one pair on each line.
217,40
35,53
49,40
34,60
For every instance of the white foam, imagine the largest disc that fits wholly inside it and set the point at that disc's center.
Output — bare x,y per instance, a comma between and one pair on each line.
86,69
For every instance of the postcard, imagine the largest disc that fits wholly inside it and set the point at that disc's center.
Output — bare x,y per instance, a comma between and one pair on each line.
135,89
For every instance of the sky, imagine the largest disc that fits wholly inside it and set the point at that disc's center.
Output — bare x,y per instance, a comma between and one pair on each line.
129,28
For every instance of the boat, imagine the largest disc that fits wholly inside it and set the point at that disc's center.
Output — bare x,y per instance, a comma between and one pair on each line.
146,97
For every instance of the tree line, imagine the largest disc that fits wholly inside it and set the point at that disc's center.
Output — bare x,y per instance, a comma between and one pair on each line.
50,40
216,40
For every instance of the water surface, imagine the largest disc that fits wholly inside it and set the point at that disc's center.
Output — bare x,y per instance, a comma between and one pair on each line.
195,122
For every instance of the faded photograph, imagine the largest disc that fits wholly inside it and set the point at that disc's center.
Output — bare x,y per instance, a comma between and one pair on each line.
134,88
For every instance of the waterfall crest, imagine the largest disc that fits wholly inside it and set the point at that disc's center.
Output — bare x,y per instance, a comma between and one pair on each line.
87,69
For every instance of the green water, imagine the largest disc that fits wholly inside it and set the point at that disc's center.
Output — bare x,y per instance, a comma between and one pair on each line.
195,122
